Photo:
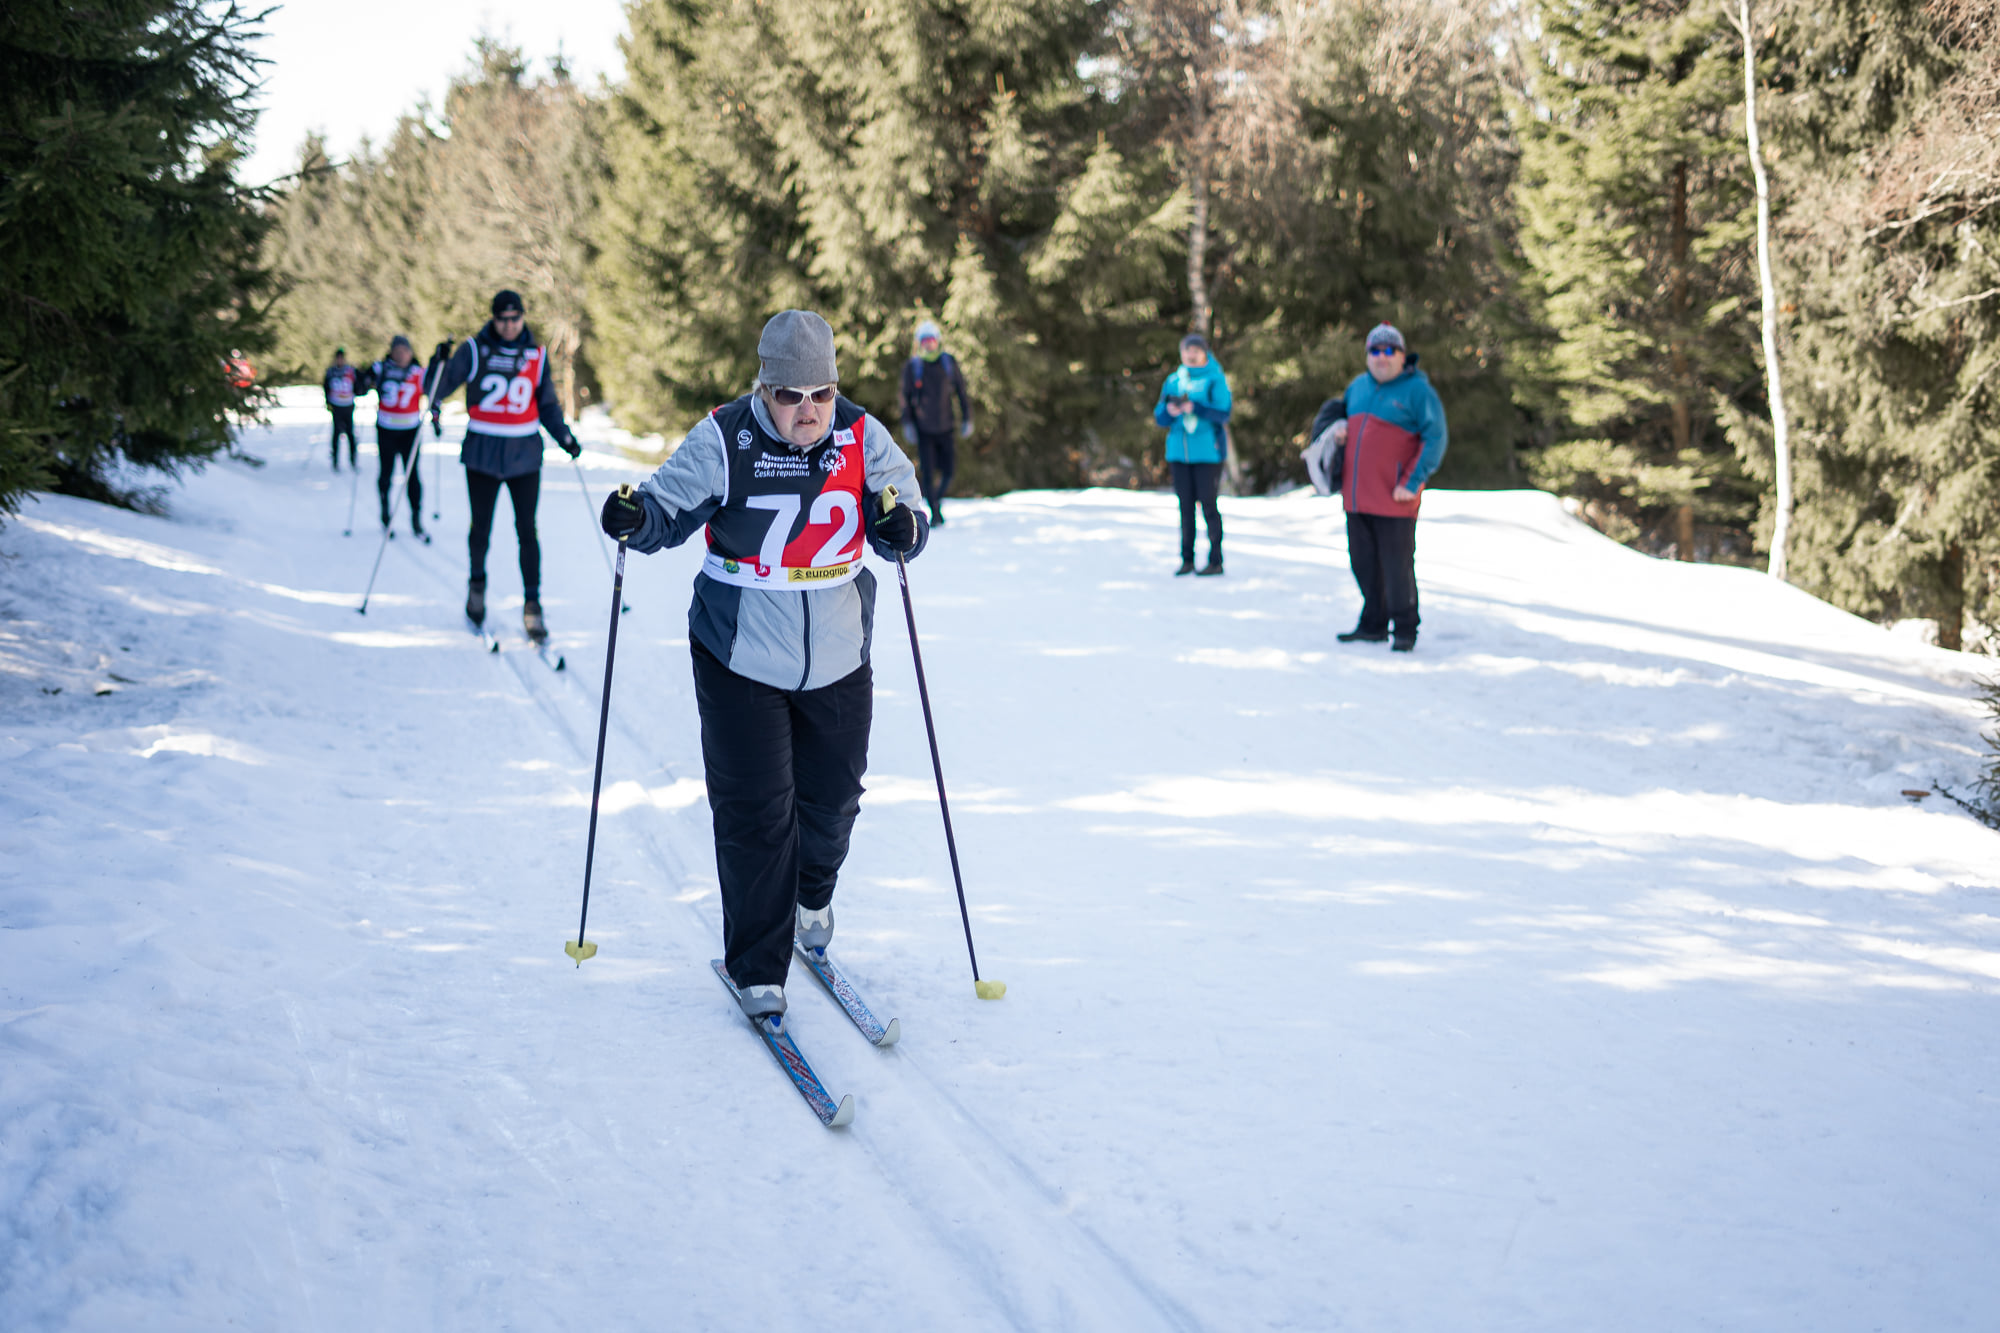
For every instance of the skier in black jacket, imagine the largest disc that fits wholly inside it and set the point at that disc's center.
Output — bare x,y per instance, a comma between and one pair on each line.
342,385
931,379
511,398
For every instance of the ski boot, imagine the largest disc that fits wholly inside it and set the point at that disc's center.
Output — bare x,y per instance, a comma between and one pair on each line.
1405,643
1187,567
815,929
475,601
532,622
1211,569
1360,635
764,1005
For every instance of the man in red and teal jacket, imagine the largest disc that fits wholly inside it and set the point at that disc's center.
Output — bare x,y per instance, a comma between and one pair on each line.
1391,427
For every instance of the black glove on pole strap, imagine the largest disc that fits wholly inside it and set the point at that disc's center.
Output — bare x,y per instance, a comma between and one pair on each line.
985,990
577,948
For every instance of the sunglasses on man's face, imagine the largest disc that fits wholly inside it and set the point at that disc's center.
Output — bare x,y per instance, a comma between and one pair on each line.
508,317
793,397
1384,350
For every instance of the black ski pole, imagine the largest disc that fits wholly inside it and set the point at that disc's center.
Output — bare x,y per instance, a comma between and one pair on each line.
985,990
416,458
583,490
577,948
353,492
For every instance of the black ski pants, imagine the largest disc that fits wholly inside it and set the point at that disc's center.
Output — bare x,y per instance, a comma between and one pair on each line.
343,424
937,455
525,490
784,785
392,443
1197,484
1382,551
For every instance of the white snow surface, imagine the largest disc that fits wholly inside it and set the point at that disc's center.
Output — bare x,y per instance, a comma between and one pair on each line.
1584,969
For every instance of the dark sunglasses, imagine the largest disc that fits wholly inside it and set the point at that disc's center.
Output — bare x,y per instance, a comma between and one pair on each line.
508,316
793,397
1384,350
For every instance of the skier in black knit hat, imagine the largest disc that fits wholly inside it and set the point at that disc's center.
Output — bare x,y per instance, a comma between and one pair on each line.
511,398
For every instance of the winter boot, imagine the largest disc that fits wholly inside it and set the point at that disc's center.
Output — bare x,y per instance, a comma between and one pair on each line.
762,1002
1187,567
417,529
1360,635
1405,643
1212,568
816,928
475,601
531,621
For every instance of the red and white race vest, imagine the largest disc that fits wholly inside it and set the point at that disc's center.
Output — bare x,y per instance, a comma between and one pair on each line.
399,395
790,520
501,397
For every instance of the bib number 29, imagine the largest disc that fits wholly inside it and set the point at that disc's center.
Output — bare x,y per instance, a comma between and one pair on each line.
506,393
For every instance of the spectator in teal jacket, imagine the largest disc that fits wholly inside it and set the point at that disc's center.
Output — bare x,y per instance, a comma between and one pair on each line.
1194,408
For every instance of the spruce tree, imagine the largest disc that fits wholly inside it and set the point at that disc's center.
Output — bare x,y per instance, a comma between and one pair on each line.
1636,227
877,160
129,275
1890,138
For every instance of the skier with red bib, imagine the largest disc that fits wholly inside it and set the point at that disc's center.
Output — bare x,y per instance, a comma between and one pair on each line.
788,483
398,382
511,398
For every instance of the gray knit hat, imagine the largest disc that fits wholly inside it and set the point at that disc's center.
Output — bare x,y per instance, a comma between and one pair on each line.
1385,332
796,351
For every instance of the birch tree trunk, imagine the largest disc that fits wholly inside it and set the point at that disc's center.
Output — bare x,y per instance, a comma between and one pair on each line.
1780,427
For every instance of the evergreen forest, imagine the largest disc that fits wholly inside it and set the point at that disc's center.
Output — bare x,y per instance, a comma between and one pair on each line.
1557,201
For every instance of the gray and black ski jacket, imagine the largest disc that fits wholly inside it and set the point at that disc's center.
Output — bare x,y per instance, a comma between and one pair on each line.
792,640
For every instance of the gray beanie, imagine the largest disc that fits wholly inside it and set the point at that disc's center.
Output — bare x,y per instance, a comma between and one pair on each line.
796,352
1385,332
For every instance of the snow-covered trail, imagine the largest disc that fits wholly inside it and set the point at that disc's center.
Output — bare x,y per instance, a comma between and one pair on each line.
1583,969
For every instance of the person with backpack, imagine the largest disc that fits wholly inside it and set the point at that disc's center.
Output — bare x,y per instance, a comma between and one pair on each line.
398,382
511,399
342,385
786,483
931,379
1379,444
1194,408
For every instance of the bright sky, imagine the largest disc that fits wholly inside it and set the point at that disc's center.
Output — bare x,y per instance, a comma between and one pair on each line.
350,69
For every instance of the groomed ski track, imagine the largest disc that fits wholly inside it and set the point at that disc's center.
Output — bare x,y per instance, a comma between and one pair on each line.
1008,1234
1620,988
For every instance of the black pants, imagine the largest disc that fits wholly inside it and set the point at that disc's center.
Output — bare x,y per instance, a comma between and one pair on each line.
937,454
343,424
784,785
525,490
1196,484
1383,554
392,443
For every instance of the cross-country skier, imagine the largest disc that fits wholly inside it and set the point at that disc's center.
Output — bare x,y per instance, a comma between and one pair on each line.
788,480
398,382
511,398
342,384
1391,427
931,379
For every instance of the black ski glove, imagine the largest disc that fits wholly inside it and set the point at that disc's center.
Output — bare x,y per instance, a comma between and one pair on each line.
897,529
623,514
570,446
437,427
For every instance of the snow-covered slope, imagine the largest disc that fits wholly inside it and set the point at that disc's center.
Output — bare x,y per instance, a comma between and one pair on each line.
1583,970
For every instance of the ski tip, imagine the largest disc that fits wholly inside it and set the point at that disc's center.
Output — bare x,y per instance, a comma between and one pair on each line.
845,1115
891,1034
989,990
